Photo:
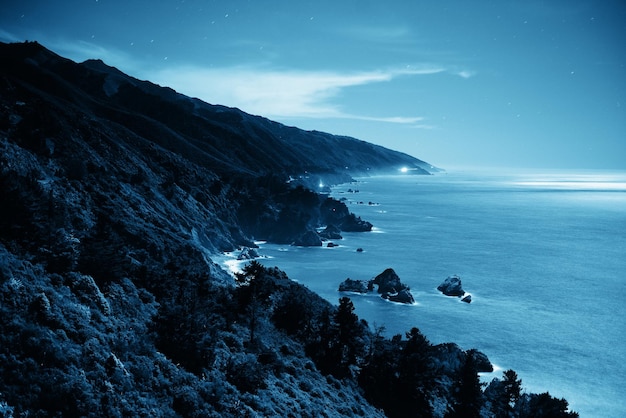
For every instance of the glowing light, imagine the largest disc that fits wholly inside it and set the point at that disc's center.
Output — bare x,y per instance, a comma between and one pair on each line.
404,170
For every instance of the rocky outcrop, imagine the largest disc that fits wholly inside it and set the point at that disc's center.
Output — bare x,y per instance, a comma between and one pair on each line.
388,284
451,286
331,232
308,239
403,296
481,361
357,286
248,253
449,356
334,212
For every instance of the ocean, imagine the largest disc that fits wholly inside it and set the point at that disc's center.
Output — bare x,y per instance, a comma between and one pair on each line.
543,255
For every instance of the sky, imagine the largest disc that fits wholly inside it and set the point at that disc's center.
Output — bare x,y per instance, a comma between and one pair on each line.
485,83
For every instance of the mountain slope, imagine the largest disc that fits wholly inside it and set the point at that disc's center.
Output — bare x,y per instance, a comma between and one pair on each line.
223,138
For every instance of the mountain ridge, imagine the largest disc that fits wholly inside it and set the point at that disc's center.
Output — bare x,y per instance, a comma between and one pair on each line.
97,87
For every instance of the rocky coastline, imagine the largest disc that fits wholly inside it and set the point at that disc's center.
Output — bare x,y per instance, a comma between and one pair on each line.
116,196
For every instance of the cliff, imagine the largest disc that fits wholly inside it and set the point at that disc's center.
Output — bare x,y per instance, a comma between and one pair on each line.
115,194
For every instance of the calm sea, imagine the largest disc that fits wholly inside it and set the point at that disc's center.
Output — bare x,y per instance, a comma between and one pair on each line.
542,254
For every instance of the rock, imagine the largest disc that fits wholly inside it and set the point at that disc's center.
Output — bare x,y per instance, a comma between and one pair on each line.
331,245
358,286
353,223
448,358
331,232
389,282
359,250
248,254
467,298
451,286
481,361
309,239
403,296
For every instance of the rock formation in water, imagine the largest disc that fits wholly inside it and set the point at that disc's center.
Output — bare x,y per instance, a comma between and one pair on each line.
387,283
451,286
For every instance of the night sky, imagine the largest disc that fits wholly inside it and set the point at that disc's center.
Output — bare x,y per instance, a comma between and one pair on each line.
484,83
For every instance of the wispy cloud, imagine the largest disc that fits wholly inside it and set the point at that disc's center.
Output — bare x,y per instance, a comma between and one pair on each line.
285,94
275,93
9,37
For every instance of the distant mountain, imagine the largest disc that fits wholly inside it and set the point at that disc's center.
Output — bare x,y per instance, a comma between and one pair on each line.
225,140
116,195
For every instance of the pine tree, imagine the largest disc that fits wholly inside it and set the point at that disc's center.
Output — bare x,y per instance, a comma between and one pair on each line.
469,394
512,389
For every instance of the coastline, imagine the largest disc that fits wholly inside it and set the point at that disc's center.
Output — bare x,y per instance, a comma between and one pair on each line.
310,269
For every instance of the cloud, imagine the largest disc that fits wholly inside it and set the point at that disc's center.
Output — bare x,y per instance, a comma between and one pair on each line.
283,93
465,74
9,37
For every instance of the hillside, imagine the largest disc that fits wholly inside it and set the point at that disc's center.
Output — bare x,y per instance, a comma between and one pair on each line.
115,195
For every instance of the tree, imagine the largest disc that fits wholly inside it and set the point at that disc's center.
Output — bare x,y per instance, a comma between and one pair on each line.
543,405
415,378
512,387
249,280
468,392
348,331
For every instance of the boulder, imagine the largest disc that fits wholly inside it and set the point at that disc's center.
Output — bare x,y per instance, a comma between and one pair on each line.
331,232
451,286
467,298
248,254
331,245
389,282
403,296
358,286
359,250
309,239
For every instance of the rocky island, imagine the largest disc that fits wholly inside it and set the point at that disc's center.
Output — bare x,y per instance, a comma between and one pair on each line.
388,284
452,286
115,195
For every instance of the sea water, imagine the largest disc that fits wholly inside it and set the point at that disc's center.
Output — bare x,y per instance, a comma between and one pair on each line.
542,254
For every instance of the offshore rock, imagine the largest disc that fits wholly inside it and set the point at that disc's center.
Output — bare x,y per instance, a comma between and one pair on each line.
389,282
403,296
248,253
389,286
451,286
357,286
467,298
